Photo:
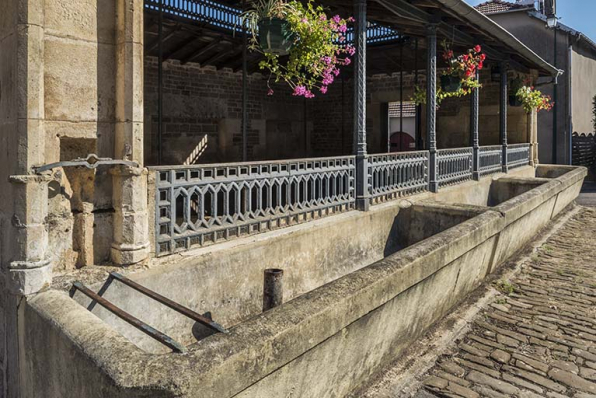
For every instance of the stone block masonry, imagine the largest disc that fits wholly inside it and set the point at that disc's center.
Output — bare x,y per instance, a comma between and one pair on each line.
537,339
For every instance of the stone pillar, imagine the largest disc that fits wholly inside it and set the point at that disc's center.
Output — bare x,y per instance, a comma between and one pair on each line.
533,137
431,105
131,220
503,114
362,195
25,266
474,139
30,271
131,233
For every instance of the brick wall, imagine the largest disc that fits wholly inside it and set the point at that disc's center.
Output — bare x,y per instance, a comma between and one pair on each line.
202,114
203,107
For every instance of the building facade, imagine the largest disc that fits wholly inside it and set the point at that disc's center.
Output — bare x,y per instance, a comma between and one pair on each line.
114,128
567,49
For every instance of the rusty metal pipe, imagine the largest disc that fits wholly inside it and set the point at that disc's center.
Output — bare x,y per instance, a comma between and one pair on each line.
272,288
137,323
169,303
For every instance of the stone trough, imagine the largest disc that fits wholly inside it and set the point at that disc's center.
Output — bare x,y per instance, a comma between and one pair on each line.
359,289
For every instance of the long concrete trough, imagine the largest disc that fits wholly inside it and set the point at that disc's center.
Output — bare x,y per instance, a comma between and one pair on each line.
361,288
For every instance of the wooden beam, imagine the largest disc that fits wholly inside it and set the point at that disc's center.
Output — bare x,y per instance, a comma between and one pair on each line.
155,43
181,47
200,52
222,54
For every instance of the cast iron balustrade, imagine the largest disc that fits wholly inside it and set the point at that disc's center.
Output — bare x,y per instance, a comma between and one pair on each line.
491,159
518,155
454,165
199,205
396,174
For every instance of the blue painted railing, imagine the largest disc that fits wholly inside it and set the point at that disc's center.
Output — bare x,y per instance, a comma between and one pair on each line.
226,17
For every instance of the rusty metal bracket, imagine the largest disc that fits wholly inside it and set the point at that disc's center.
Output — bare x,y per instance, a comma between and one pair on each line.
137,323
171,304
92,161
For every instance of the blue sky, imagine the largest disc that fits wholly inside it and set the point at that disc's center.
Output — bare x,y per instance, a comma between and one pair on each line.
577,14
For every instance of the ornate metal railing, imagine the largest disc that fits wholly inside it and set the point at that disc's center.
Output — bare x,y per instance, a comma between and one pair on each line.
396,174
226,17
518,155
199,205
491,159
454,165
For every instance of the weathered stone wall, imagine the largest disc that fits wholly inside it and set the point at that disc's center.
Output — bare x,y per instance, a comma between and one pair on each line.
67,89
79,63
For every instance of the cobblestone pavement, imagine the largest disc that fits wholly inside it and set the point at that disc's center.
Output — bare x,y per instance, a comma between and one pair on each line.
537,338
587,197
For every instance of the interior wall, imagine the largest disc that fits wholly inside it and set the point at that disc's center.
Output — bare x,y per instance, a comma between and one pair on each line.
202,116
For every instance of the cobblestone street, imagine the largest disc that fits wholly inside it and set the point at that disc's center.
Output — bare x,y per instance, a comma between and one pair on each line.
537,338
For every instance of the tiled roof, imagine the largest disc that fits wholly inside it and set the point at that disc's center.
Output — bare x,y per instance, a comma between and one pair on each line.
409,109
494,6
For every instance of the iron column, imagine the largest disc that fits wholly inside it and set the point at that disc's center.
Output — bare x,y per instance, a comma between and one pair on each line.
418,120
360,106
160,86
474,106
244,97
431,105
503,115
555,100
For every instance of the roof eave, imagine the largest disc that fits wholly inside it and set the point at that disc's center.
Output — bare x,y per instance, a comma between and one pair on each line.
469,13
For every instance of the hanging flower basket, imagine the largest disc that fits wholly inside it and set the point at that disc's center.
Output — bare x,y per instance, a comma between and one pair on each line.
314,45
275,36
533,100
450,83
460,76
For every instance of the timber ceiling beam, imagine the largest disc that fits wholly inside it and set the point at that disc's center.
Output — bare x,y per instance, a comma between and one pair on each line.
165,38
180,47
200,51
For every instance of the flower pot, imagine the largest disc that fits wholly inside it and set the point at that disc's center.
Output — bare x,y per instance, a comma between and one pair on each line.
275,36
514,101
450,83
